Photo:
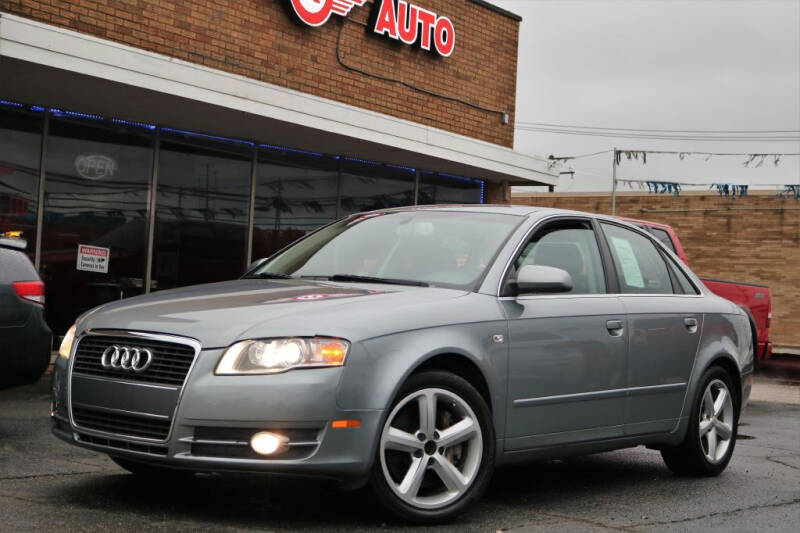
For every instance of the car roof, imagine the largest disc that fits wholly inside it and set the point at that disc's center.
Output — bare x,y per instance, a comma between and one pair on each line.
500,209
531,211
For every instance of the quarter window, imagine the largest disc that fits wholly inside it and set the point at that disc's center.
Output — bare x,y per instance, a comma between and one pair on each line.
664,237
687,287
570,246
639,265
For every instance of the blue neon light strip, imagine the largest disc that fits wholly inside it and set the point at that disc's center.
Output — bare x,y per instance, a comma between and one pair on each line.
74,114
364,161
292,150
133,123
207,136
151,127
400,167
454,177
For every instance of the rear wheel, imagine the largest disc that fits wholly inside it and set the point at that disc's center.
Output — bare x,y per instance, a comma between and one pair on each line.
712,431
436,450
150,471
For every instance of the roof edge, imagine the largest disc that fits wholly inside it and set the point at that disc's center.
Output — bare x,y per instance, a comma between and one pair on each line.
497,9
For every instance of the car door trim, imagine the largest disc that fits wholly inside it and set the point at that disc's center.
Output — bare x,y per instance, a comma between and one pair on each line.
599,395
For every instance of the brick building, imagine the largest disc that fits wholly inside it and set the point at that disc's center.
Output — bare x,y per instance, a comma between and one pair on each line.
191,136
753,239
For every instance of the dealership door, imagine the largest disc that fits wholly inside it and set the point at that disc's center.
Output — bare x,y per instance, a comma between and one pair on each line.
95,200
567,352
202,207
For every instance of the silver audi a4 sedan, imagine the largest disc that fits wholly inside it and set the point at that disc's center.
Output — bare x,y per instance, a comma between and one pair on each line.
416,349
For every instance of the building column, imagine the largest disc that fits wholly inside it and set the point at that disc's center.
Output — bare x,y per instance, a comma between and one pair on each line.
498,193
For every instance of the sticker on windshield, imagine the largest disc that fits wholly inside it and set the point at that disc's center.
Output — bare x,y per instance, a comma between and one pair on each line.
628,263
93,258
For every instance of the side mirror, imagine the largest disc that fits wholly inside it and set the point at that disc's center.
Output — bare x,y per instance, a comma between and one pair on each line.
255,264
542,279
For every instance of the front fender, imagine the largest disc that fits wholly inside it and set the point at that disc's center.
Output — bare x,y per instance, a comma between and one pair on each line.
379,367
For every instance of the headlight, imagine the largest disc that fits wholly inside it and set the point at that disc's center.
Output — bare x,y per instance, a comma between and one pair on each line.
66,344
271,356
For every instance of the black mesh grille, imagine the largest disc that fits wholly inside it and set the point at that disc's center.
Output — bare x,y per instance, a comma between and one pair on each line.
130,425
171,361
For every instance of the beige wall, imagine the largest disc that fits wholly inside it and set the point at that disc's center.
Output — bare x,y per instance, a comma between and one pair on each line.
753,239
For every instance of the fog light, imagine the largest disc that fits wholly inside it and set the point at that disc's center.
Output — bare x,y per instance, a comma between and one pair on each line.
265,443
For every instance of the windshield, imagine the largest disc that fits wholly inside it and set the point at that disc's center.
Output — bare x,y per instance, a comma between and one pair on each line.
428,247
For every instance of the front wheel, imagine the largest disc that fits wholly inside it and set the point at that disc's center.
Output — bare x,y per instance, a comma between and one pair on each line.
436,450
711,436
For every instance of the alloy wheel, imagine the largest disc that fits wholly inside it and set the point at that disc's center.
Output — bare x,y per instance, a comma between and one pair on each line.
716,421
431,448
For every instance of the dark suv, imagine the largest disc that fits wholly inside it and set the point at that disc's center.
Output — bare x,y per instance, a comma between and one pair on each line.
25,339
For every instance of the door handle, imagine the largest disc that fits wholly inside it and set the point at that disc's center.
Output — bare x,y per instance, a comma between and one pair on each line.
615,327
691,324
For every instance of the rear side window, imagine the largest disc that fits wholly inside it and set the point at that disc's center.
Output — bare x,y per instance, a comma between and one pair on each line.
571,246
664,237
685,284
15,266
639,265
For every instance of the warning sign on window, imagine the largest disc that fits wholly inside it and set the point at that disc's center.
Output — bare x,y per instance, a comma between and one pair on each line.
93,258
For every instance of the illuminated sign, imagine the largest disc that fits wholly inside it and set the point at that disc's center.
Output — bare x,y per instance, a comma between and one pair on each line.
95,167
317,12
410,24
397,19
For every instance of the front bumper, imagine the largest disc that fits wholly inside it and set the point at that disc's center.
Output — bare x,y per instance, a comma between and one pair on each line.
216,415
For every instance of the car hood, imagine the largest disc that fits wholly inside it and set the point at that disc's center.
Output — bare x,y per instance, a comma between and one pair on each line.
218,314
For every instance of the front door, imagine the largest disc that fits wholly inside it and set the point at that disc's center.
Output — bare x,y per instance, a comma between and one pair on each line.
567,366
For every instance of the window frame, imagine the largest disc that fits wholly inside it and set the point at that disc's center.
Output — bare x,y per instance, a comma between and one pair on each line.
662,250
532,233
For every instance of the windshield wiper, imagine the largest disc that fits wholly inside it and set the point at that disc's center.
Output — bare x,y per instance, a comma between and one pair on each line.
268,275
369,279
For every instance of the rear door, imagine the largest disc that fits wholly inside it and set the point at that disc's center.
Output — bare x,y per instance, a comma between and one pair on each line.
567,352
660,304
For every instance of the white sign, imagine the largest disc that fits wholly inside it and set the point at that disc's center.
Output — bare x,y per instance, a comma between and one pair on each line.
630,266
93,258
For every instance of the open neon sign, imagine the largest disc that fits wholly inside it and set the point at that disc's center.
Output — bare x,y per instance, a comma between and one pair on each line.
397,19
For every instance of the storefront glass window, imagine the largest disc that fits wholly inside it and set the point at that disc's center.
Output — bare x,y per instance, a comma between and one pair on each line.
20,145
367,186
435,188
95,194
295,193
202,208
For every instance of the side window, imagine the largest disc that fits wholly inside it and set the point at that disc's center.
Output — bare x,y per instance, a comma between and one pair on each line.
686,285
640,267
571,246
663,236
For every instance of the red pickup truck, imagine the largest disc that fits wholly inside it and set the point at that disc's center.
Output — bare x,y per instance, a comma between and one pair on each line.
755,300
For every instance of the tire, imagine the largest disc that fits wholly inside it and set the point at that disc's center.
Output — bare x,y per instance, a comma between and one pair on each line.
696,456
144,470
453,468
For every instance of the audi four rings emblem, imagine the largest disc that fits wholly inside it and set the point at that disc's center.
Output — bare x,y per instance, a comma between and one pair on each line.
126,358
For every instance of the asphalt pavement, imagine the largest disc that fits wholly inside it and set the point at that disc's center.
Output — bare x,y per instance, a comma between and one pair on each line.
48,485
